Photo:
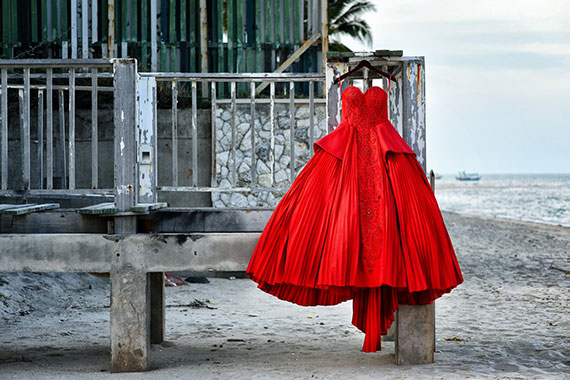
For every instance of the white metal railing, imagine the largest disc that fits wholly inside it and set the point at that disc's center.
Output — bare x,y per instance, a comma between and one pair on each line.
37,81
51,88
252,80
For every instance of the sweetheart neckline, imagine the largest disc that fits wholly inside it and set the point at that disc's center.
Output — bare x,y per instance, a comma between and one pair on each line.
363,93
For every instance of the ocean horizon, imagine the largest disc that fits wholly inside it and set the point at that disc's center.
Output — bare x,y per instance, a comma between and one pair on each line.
534,197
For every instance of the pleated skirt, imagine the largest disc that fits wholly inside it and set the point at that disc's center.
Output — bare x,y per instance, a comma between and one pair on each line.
311,250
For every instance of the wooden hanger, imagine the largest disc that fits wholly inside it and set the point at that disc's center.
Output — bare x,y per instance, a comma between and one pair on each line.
365,63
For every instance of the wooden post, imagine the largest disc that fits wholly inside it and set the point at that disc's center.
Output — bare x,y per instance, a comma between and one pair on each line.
130,292
415,325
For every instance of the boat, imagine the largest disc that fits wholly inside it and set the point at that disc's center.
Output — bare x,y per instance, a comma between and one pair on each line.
463,176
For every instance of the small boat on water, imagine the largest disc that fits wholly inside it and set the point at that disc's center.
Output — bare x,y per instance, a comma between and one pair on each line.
463,176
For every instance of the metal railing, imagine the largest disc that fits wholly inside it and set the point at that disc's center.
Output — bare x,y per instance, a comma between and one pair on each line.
252,79
51,92
46,83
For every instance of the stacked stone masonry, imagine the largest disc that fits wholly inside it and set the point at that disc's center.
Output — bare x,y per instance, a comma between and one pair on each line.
262,151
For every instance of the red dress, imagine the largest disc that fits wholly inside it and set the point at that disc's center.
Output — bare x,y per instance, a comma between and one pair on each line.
359,222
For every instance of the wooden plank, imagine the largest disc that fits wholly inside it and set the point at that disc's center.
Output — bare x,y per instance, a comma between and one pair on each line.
94,20
146,207
48,25
173,37
85,29
292,58
220,36
9,206
99,209
153,35
73,12
272,27
34,21
143,38
195,42
230,34
413,94
259,34
29,208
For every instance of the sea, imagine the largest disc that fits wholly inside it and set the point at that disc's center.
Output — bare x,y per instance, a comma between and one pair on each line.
543,198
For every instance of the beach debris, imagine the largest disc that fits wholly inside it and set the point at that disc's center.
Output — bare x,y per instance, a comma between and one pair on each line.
310,316
197,280
196,304
235,340
455,339
172,280
565,271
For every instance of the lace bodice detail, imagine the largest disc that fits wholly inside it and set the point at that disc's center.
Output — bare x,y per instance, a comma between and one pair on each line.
364,110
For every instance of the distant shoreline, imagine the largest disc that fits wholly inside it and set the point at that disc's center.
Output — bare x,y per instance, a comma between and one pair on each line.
508,219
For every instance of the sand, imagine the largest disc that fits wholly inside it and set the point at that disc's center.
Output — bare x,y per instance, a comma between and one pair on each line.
508,320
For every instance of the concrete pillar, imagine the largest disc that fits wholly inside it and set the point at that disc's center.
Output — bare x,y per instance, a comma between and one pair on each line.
415,334
156,307
130,283
130,317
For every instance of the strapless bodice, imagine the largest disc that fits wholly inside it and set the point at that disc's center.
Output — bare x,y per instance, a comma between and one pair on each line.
364,110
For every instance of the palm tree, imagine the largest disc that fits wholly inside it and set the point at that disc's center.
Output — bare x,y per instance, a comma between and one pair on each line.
345,18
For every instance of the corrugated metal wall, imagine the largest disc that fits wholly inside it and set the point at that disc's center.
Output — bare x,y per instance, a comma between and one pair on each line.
242,35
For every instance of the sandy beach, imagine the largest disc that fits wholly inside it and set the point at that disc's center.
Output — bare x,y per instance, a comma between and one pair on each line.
508,320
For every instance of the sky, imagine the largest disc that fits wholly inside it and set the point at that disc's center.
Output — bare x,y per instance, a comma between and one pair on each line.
497,79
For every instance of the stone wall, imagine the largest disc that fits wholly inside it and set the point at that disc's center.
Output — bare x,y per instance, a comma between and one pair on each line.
262,152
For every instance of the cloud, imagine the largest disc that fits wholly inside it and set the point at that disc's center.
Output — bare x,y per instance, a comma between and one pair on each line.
497,79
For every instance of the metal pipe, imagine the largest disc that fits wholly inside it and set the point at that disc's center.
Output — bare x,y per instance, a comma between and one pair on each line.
292,129
71,128
4,130
94,127
54,63
237,77
49,129
26,161
272,129
41,139
194,135
174,134
252,131
311,115
63,157
233,95
213,120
